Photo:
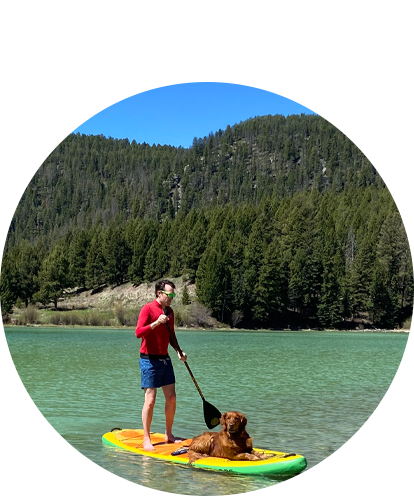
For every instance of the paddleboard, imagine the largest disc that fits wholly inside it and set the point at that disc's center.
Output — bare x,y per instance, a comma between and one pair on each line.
278,463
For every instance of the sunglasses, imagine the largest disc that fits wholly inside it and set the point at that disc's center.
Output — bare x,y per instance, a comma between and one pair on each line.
170,295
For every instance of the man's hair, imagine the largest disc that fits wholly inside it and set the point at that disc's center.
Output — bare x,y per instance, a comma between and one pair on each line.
160,285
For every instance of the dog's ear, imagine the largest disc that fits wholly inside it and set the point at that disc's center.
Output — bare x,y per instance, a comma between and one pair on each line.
223,422
243,422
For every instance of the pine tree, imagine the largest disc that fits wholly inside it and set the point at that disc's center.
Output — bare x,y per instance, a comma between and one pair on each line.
150,273
145,235
95,261
360,277
260,236
302,254
193,245
329,309
212,275
9,289
384,301
185,299
54,276
117,255
236,247
270,286
27,266
163,244
406,294
78,252
390,247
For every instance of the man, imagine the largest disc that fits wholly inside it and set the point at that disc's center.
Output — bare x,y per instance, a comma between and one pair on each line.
156,329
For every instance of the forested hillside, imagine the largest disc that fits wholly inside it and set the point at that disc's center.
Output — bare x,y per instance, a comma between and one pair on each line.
272,217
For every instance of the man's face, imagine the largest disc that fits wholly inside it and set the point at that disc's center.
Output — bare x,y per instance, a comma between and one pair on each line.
164,299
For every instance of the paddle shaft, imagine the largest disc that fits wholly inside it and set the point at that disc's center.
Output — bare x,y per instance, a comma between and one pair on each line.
180,352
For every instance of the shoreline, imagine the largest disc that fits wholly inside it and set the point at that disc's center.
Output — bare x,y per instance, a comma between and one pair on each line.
118,308
216,329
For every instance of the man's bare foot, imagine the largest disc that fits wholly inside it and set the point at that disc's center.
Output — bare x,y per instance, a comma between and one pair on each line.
148,446
172,439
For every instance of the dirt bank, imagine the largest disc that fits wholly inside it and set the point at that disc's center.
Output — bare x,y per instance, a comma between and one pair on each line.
128,295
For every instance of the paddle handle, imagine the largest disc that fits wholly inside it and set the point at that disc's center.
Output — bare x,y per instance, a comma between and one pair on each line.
180,352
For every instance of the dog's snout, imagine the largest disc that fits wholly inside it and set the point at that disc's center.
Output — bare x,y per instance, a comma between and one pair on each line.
232,426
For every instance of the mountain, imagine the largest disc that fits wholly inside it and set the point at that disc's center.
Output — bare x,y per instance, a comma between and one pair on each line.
91,179
271,216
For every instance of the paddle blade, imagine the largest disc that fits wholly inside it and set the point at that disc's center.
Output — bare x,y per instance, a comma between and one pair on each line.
211,415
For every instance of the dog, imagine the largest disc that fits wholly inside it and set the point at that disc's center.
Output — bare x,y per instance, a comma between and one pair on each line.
232,442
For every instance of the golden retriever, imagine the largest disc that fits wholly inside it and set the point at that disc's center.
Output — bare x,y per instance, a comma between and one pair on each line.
231,442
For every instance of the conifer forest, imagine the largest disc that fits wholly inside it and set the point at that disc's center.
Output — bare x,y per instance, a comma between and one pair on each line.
275,219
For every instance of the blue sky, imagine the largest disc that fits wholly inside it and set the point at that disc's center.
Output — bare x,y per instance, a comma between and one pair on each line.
175,113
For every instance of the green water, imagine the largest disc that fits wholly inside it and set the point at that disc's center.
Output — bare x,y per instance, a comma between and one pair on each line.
306,392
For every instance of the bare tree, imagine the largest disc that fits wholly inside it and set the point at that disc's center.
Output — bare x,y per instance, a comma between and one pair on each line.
350,248
236,317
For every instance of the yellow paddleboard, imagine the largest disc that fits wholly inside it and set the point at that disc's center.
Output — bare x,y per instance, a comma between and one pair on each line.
278,463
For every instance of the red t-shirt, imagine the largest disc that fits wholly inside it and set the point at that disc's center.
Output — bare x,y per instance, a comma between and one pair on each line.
154,341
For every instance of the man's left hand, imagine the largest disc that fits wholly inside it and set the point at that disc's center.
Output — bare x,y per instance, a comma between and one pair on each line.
182,357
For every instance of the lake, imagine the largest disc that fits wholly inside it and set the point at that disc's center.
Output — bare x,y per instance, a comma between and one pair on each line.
306,392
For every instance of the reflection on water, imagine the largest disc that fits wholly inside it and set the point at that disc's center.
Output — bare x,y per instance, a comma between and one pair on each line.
181,478
303,392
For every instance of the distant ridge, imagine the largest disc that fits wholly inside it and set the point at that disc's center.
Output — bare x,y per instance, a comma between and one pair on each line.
92,179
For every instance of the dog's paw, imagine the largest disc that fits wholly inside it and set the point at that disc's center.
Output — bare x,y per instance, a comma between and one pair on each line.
251,457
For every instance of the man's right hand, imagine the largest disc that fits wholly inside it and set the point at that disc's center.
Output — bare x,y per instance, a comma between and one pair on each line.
162,319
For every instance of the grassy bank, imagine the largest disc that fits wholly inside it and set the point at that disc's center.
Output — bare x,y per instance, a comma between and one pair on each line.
120,306
194,315
113,307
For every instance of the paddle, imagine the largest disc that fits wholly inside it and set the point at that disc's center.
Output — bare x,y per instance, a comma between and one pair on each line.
211,414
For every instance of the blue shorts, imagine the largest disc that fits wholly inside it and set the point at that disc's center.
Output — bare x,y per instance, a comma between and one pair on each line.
156,373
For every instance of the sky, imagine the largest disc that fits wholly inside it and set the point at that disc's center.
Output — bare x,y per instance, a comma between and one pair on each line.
139,44
174,113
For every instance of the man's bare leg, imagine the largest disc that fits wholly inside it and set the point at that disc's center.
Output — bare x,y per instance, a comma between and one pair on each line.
170,401
147,411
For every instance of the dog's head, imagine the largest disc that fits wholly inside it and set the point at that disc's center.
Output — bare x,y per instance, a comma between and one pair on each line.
233,422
